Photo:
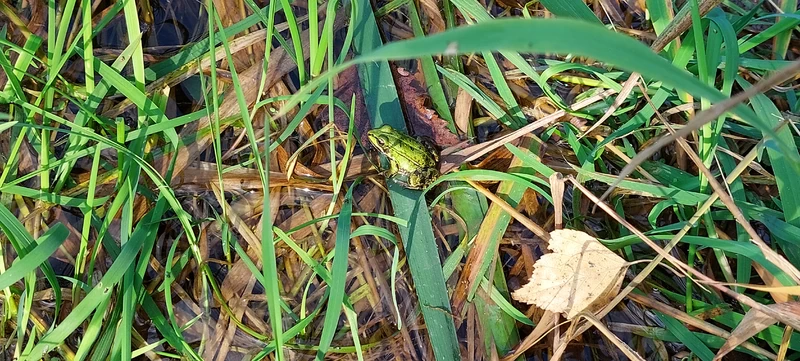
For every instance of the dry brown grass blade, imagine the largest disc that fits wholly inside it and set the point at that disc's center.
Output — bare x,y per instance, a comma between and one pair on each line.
200,174
785,341
521,218
702,209
770,280
238,224
192,68
452,160
705,117
479,250
695,322
776,258
224,334
699,276
311,141
359,165
676,27
231,11
317,208
613,11
280,65
753,323
681,23
557,192
544,326
724,196
626,90
229,107
789,290
621,346
21,26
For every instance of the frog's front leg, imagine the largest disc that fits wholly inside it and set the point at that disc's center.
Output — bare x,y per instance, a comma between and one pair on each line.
404,181
393,168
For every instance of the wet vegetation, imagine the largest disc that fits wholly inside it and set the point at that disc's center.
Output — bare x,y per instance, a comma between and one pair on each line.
193,180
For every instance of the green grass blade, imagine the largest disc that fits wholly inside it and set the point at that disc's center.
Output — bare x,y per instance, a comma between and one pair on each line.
15,73
517,119
729,73
475,10
559,36
268,247
92,331
23,243
426,271
382,104
51,197
785,176
432,81
659,15
501,301
13,82
494,317
576,9
294,31
147,227
686,337
46,245
92,102
770,32
569,36
476,93
781,42
338,274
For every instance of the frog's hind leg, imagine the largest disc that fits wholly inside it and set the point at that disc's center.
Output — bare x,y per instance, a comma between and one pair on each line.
430,176
412,181
421,179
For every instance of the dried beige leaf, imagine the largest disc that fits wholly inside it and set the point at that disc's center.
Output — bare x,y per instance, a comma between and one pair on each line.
580,274
431,9
463,110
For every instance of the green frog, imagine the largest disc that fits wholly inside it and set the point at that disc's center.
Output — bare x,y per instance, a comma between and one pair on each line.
413,162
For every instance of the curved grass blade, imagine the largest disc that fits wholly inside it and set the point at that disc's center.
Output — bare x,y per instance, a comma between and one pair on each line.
788,22
475,10
147,227
23,243
476,93
686,337
46,245
563,36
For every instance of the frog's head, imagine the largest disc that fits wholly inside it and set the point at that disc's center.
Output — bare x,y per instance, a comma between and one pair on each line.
383,137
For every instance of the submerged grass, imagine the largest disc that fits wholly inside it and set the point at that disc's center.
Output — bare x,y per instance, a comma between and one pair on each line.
219,202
